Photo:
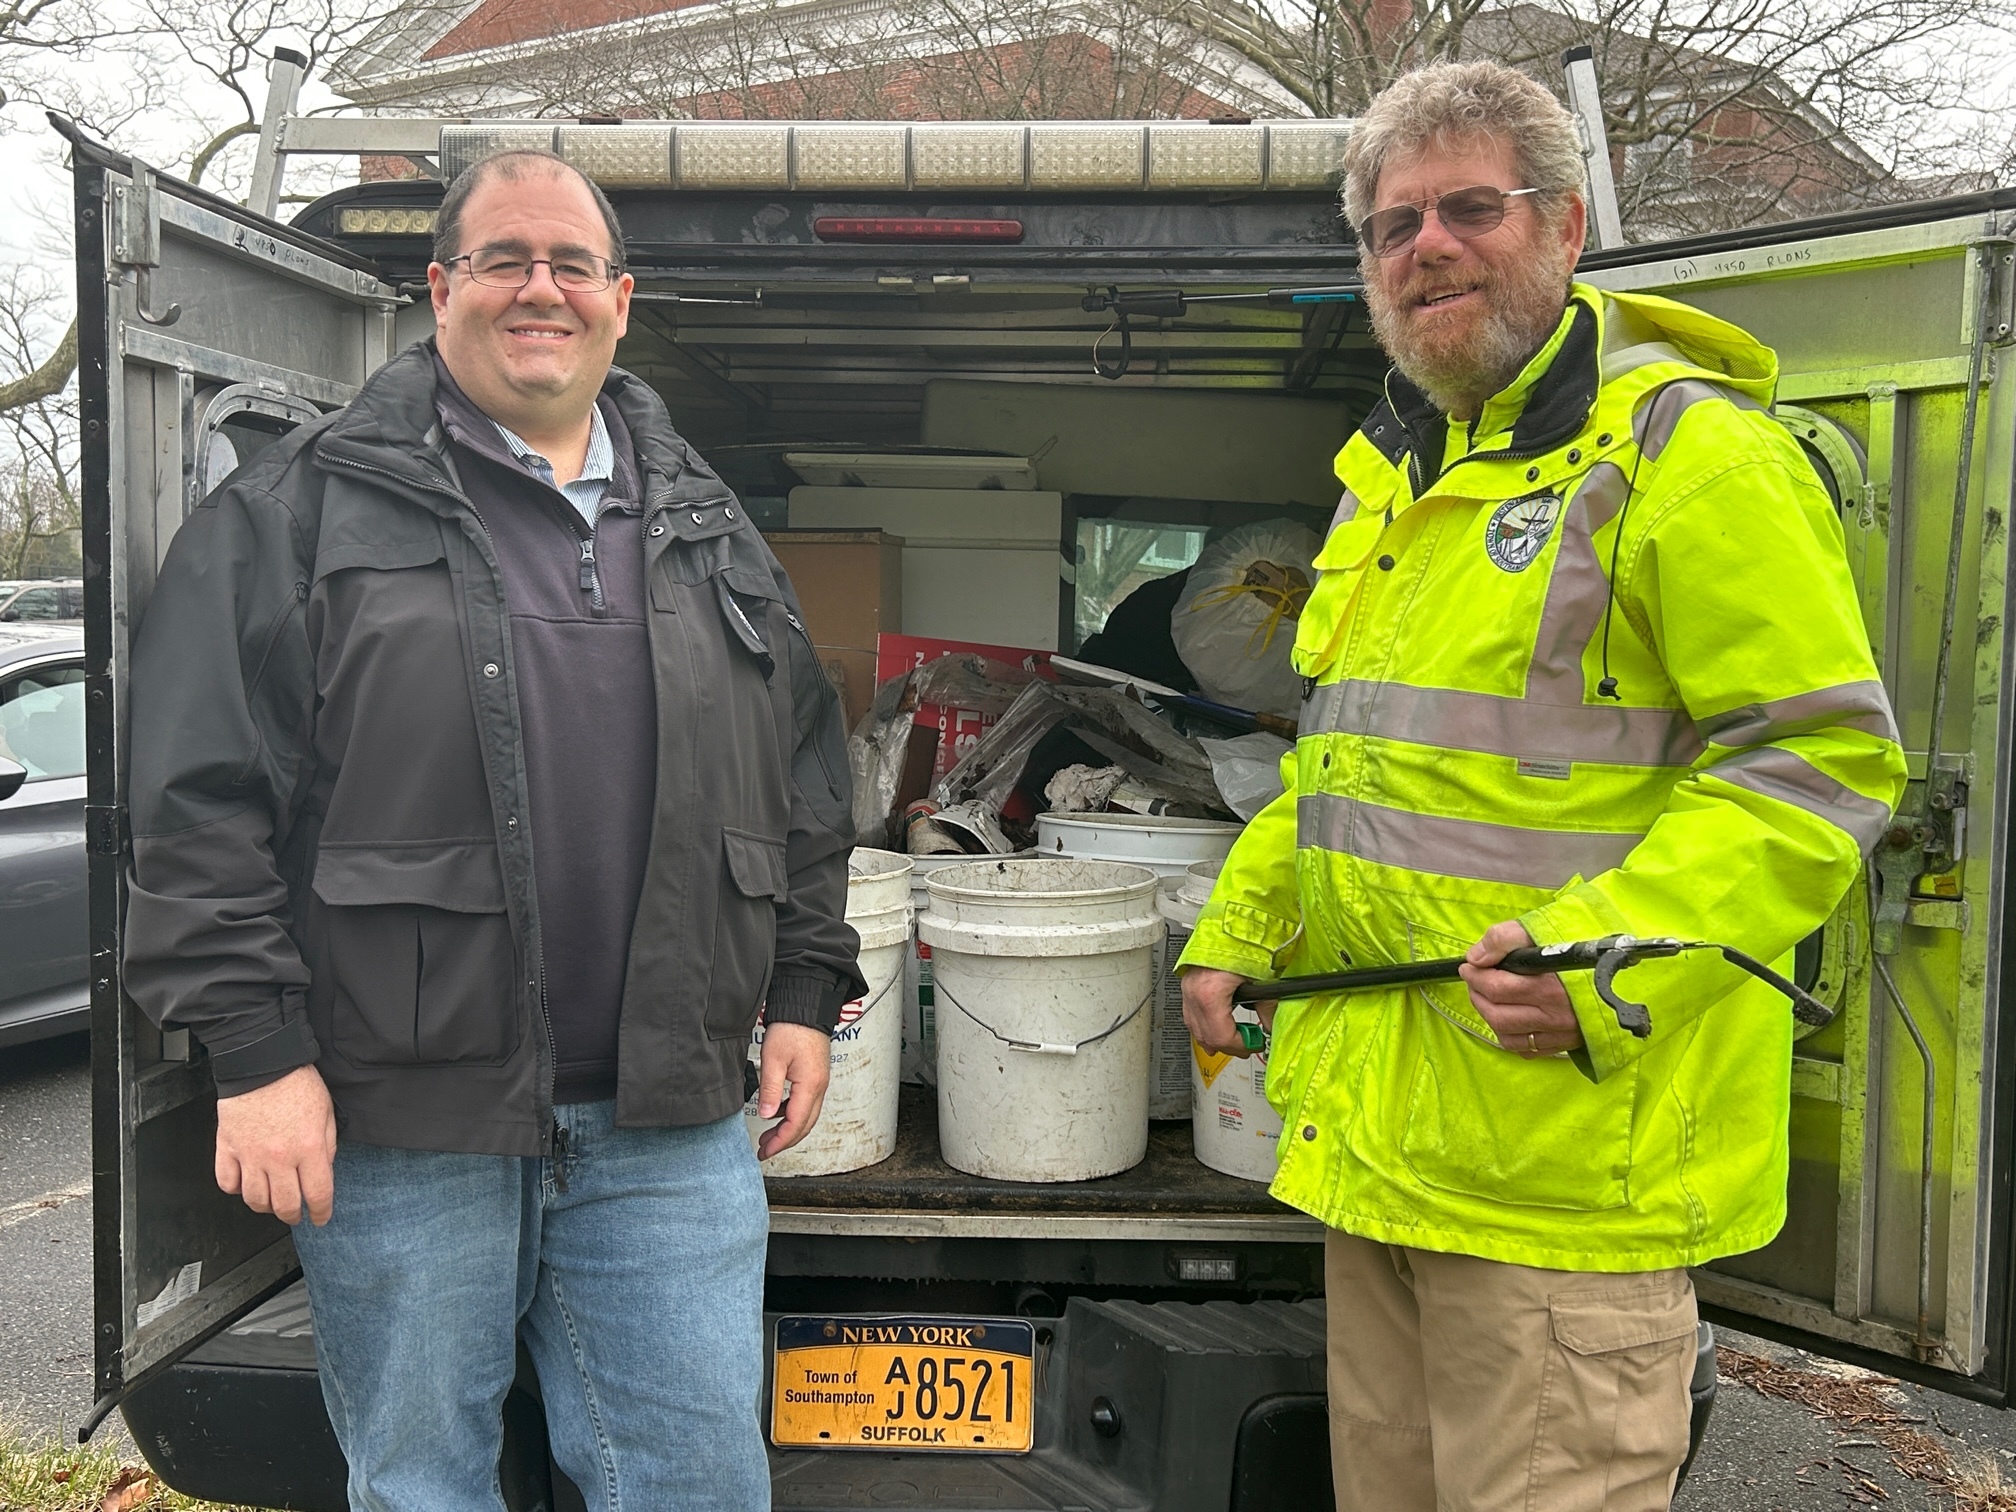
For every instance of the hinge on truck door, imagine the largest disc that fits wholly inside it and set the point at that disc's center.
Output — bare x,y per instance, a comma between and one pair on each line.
1998,264
105,829
136,240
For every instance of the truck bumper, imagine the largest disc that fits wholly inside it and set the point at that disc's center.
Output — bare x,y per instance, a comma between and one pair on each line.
1169,1406
1141,1407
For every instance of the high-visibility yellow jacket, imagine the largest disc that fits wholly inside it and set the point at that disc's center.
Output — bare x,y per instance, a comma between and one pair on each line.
1459,763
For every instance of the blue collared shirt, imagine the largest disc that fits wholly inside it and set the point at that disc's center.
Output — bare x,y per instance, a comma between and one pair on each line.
598,468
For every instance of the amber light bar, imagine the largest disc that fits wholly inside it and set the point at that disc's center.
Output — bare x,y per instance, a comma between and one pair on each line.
912,228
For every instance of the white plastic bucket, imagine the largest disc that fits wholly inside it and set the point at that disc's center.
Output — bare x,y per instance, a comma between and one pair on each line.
920,1010
1180,899
1233,1127
1043,971
857,1123
1168,847
1164,844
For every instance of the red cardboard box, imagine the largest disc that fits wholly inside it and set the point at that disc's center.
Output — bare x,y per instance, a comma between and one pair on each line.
959,730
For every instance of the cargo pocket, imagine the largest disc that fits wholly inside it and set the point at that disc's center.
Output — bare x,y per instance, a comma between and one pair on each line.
420,964
1614,1391
745,931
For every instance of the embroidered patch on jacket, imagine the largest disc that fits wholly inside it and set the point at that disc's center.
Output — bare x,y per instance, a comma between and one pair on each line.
1519,528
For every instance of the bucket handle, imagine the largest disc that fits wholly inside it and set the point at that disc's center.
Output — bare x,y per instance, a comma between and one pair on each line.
1042,1047
869,1006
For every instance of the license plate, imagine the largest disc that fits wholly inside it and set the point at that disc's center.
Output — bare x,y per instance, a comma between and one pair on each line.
904,1383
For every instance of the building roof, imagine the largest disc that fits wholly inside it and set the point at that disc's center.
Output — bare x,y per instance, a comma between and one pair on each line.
498,23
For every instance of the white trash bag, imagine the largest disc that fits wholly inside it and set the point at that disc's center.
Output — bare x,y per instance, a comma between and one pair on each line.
1235,623
1247,769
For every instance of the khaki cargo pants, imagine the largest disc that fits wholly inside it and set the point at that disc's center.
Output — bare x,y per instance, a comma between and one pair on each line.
1467,1385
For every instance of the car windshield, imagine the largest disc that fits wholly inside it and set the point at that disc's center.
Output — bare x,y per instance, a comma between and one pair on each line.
42,721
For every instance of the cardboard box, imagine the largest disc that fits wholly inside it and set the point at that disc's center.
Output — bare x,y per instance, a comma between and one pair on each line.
850,585
978,564
852,674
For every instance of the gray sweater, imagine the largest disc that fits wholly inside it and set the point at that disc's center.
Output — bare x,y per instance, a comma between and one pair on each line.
583,666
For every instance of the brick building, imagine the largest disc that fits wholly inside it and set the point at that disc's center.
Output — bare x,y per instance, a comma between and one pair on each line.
798,59
1698,141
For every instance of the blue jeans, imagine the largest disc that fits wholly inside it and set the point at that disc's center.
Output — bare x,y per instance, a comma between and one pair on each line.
638,1288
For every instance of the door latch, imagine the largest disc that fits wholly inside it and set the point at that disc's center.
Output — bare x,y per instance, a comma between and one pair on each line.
1927,836
136,241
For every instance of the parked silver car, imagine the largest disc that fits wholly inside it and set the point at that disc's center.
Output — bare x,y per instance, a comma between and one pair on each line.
26,602
43,918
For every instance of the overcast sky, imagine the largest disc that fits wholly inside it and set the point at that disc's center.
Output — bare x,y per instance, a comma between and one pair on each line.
35,184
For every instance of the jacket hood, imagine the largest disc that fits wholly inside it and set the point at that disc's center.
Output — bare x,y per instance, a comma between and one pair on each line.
1644,330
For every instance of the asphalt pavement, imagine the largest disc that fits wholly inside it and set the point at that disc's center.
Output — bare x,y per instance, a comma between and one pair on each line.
1790,1433
45,1236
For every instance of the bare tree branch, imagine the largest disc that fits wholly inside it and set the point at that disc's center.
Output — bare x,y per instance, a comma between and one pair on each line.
207,153
48,379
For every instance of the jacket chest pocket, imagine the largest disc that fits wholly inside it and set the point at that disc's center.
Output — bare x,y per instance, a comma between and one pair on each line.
732,642
704,584
413,955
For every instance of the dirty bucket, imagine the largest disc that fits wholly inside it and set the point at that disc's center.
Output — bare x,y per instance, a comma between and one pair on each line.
857,1124
1043,974
1233,1127
920,1010
1180,899
1168,847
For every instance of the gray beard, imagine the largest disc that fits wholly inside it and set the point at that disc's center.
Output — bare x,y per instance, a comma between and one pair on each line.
1525,309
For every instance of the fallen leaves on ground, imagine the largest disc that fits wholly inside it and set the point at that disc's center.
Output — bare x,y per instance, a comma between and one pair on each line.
48,1476
130,1490
1869,1404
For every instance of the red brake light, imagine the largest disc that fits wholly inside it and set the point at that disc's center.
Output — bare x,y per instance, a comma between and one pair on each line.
911,228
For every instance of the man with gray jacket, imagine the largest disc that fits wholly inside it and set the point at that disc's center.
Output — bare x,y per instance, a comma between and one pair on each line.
485,786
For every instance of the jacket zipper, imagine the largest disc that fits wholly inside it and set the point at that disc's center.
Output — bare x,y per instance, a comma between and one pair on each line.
443,488
591,580
1508,454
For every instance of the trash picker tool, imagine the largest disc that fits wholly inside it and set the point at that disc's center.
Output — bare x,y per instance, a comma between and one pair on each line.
1605,957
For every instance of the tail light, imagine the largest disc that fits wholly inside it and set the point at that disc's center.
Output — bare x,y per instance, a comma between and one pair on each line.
911,228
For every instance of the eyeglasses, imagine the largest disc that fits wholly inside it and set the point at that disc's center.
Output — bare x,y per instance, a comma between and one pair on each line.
574,273
1464,213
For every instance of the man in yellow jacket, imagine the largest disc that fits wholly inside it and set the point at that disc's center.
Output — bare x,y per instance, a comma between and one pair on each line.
1584,658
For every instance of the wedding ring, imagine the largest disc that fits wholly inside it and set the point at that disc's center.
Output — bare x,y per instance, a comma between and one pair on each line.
1532,1045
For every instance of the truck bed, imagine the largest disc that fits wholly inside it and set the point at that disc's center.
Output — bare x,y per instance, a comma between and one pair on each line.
916,1187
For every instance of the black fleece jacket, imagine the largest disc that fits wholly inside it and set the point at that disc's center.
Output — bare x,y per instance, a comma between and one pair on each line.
337,835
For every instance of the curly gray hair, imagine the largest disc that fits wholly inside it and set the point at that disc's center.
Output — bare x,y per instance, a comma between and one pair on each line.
1455,102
